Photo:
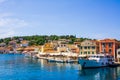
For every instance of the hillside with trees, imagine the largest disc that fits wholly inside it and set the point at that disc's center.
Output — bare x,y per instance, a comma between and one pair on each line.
42,39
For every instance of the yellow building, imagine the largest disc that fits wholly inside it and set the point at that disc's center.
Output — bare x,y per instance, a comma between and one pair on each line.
89,47
49,48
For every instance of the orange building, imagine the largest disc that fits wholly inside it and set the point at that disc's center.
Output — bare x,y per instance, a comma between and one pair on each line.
73,48
109,46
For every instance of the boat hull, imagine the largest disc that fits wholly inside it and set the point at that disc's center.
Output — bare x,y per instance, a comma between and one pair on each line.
91,63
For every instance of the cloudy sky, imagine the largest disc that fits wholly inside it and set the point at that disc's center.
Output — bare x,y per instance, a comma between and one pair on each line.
84,18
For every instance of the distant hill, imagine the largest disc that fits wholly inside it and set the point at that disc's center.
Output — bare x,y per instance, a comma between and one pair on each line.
42,39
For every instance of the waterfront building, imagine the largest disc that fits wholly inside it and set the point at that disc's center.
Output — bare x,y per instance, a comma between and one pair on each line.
13,46
20,39
109,46
24,43
30,48
48,48
13,43
2,44
118,55
56,46
4,49
73,48
62,49
20,49
89,47
77,44
59,47
63,41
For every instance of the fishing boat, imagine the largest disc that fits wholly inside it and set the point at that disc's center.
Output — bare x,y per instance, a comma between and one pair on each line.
95,61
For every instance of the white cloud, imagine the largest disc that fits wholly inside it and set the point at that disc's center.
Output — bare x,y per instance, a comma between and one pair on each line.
2,15
6,33
1,1
12,23
9,25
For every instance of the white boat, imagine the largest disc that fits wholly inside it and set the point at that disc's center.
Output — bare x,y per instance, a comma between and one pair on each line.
56,60
94,61
69,60
60,61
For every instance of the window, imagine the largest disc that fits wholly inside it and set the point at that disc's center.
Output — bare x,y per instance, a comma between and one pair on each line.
110,51
119,53
85,47
81,52
81,47
110,45
103,45
92,52
88,47
85,52
93,47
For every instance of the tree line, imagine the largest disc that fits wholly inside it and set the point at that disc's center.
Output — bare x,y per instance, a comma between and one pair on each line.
42,39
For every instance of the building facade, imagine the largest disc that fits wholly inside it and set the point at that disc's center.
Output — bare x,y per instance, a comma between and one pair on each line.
89,47
24,43
118,55
109,46
73,48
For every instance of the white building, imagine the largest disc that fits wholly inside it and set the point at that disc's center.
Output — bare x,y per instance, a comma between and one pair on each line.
24,43
118,55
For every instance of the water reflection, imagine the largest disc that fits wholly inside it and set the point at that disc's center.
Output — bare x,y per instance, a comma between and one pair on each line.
99,74
86,74
17,67
59,66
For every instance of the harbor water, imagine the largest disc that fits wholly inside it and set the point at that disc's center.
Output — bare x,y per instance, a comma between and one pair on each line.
18,67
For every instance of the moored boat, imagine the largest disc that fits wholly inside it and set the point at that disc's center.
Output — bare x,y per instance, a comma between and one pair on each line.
114,64
51,60
95,61
56,60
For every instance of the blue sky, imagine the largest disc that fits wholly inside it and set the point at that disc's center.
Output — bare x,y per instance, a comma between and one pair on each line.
84,18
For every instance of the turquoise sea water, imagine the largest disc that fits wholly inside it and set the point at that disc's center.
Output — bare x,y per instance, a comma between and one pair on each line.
17,67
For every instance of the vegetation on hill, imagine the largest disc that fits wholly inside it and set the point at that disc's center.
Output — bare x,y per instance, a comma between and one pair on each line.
42,39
